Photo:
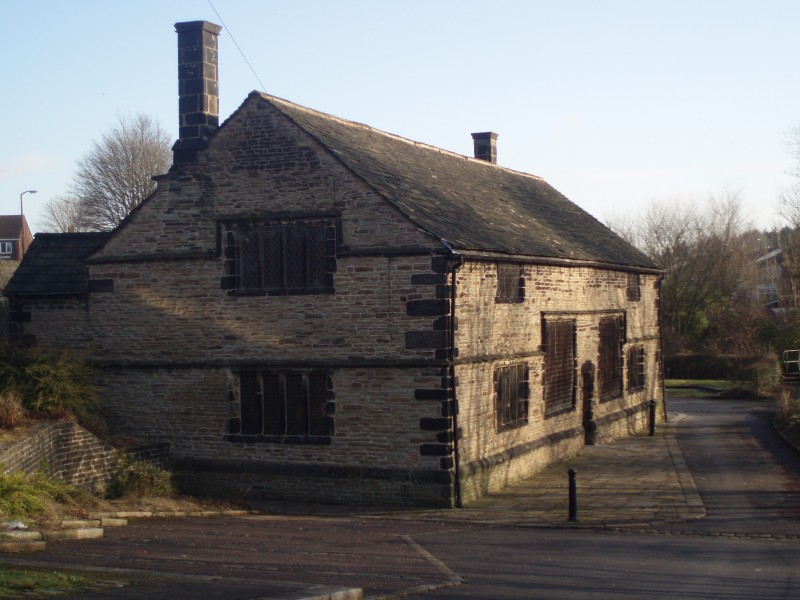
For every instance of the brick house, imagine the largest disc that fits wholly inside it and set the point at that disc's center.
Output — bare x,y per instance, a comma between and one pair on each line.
15,237
311,308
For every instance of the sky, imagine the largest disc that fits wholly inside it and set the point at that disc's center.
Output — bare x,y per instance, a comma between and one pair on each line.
617,104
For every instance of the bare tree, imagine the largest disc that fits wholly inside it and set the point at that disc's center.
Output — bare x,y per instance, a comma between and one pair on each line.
63,214
706,294
116,175
789,210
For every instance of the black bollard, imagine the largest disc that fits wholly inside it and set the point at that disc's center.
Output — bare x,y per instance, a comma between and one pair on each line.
652,417
573,496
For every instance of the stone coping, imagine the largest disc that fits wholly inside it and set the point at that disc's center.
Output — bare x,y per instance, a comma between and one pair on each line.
92,528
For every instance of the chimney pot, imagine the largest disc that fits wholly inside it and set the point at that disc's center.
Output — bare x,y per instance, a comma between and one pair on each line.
485,146
198,87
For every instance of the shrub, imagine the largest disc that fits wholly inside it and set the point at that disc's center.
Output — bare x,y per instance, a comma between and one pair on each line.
24,496
766,375
12,413
18,498
48,384
786,399
137,479
788,418
753,375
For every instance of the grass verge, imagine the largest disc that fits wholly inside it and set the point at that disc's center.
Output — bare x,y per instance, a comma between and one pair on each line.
35,498
28,583
698,388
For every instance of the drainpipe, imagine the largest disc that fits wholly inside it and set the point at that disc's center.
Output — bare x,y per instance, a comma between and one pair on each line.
459,262
661,349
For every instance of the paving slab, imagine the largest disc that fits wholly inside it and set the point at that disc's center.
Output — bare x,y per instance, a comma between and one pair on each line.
634,481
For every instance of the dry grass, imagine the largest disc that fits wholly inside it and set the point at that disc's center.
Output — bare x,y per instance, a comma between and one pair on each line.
12,413
42,504
788,413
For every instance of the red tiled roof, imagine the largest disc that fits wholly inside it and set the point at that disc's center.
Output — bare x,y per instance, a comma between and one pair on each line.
10,227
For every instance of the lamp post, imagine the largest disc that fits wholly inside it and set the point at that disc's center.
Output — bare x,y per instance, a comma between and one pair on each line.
21,228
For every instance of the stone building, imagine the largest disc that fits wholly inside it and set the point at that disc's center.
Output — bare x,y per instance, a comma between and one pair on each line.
311,308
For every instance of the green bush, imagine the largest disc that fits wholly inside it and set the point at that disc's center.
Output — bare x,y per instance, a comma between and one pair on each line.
24,496
138,479
18,498
48,384
753,375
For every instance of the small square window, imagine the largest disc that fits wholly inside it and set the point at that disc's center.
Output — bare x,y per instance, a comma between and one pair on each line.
510,283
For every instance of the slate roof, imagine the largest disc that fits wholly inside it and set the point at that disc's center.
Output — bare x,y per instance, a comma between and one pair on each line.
473,205
53,264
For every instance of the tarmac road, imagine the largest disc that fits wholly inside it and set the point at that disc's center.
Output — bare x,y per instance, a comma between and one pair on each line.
517,563
648,530
747,476
746,547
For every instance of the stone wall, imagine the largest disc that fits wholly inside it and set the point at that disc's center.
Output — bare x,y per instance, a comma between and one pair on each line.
240,174
62,450
492,335
57,322
169,337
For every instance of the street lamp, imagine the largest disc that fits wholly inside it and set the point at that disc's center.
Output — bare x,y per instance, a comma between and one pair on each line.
21,228
20,199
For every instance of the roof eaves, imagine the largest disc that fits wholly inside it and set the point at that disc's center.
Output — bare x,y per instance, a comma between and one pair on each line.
486,255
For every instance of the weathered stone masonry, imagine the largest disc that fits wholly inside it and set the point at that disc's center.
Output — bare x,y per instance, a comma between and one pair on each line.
309,308
492,335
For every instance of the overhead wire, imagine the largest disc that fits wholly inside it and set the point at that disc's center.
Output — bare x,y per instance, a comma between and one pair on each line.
235,43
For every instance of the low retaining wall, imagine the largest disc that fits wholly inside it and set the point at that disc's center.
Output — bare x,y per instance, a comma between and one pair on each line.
62,450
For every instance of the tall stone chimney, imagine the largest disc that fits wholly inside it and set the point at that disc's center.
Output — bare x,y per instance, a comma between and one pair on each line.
485,146
198,87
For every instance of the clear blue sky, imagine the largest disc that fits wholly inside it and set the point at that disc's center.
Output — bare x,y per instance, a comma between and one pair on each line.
614,103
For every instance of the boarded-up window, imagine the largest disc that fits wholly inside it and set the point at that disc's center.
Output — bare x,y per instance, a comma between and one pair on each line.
612,337
634,287
280,257
510,283
560,365
636,368
511,392
284,404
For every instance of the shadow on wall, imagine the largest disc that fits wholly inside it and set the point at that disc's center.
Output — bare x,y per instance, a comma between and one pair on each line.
66,451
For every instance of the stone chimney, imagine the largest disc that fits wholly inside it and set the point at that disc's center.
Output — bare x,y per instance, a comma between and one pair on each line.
485,146
198,87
